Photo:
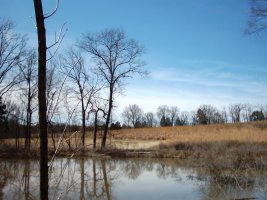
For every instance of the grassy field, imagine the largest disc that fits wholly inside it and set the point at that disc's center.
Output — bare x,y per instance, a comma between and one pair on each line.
243,132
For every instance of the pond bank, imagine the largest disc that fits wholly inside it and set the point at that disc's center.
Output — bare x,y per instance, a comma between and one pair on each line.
219,155
217,147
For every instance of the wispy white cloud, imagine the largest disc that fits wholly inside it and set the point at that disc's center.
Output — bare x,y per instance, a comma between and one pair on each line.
189,86
212,77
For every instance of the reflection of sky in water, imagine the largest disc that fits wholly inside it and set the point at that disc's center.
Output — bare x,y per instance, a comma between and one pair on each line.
149,186
122,180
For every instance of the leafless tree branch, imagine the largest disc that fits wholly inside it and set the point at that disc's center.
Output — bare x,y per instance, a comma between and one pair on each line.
258,17
57,43
53,12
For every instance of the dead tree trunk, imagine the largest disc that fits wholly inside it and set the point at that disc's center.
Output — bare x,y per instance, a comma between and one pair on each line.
39,15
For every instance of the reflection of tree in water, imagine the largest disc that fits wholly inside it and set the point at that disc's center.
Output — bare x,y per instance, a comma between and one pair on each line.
165,171
4,176
18,178
164,168
236,185
62,178
96,179
212,190
132,168
26,176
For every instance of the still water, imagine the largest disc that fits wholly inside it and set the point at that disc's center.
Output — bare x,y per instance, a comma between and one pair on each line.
130,179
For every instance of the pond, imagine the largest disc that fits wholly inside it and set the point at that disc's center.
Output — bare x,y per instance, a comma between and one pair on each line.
130,179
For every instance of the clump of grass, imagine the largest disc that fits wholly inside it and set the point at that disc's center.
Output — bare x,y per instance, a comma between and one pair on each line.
220,155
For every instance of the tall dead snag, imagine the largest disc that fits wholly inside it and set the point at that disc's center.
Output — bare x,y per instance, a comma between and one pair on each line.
42,59
39,15
116,57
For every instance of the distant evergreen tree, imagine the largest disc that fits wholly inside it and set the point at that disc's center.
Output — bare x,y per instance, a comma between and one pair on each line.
162,121
168,122
165,121
202,119
138,124
257,116
178,122
115,126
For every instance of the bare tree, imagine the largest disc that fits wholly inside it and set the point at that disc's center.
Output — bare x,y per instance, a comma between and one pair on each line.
116,57
231,112
126,115
54,86
235,112
258,17
133,113
182,119
150,119
247,112
173,113
73,66
224,114
162,111
28,71
194,117
12,47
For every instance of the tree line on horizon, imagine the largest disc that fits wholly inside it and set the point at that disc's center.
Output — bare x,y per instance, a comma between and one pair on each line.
133,115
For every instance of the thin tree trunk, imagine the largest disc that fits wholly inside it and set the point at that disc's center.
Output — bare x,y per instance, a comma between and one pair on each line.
27,179
27,133
83,124
27,130
30,129
52,135
39,15
103,163
94,174
82,179
95,129
110,104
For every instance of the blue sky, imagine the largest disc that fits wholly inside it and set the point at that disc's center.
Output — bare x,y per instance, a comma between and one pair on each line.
196,50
